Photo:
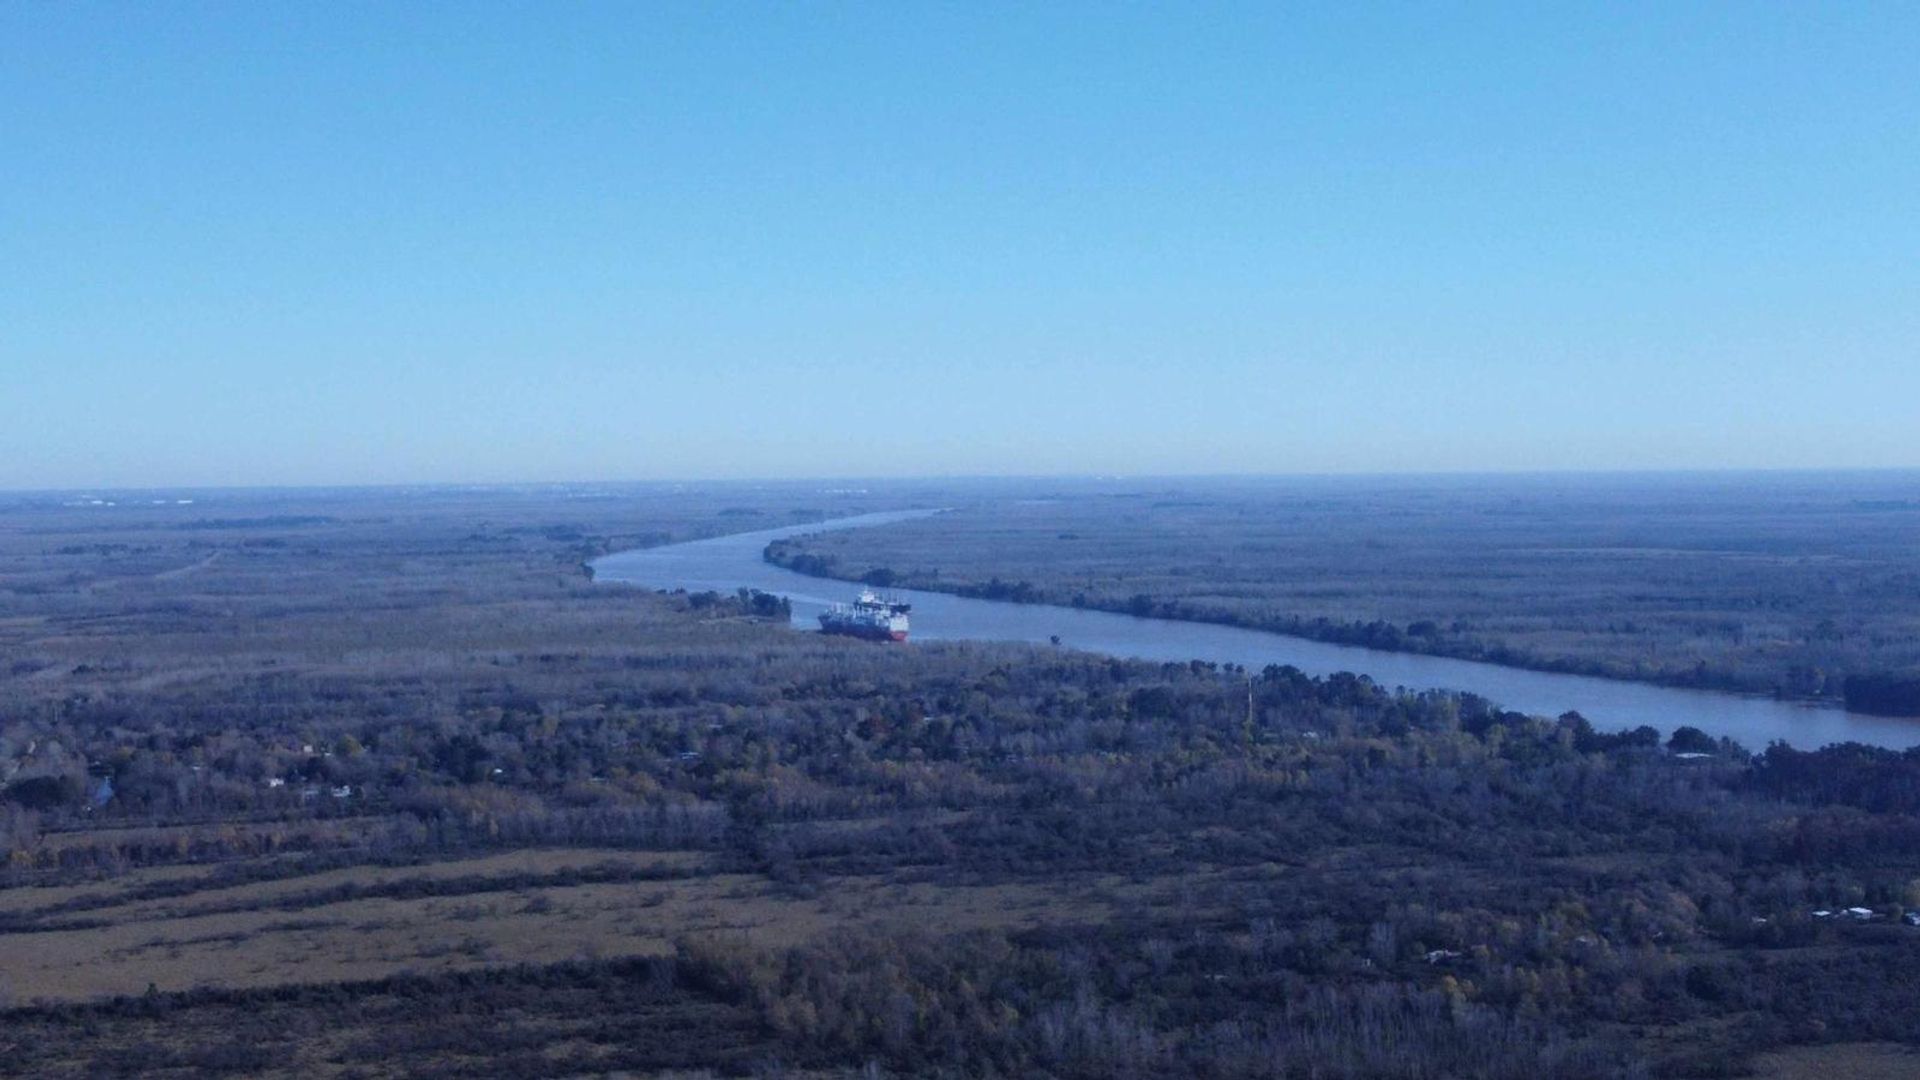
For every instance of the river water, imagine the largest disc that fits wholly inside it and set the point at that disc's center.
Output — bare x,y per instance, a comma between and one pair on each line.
730,562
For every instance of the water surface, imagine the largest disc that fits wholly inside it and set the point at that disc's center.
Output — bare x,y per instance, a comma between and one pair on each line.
727,563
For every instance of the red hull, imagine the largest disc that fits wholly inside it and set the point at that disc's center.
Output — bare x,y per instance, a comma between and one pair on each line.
864,633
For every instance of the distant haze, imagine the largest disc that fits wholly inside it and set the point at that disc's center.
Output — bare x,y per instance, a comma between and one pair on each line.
357,243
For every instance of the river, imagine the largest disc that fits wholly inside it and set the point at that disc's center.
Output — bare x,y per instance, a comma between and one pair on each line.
727,563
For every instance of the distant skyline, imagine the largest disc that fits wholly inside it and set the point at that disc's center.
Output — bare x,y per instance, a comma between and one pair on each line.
352,244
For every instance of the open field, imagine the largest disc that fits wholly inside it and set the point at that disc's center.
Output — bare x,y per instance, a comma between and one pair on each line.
1786,584
1855,1061
390,788
527,907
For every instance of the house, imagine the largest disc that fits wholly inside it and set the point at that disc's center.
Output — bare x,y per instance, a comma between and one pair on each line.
344,791
1911,918
1860,913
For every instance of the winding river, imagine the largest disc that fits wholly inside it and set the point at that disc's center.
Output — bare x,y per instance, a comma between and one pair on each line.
727,563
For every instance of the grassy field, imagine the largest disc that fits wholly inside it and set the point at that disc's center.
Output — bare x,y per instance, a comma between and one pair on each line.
524,907
1855,1061
1783,584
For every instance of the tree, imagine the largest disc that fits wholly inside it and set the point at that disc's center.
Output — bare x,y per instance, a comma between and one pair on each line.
1691,740
44,792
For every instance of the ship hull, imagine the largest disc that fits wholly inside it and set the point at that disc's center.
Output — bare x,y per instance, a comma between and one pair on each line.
865,633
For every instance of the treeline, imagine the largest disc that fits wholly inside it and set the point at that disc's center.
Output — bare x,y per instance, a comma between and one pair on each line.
577,1017
1869,694
987,1004
1732,586
1529,888
1431,637
1886,695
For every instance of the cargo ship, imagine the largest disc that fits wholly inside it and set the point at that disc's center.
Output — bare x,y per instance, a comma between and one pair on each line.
871,616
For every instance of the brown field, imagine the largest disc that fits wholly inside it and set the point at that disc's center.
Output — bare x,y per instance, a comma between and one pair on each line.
1842,1061
251,936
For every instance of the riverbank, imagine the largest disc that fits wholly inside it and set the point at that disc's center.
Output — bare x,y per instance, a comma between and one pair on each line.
1376,636
1782,586
726,564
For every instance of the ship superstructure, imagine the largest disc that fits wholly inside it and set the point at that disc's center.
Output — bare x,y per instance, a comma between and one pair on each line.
871,616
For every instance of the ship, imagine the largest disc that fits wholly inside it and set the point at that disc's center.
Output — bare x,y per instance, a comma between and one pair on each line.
871,616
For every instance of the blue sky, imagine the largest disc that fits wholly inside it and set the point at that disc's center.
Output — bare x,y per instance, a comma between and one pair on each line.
364,243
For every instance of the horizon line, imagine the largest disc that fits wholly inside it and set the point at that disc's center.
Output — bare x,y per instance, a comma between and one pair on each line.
1084,477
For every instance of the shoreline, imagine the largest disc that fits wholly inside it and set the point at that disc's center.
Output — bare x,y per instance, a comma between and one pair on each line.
1303,633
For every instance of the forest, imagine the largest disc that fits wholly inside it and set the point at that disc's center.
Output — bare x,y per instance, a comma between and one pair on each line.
383,783
1800,585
